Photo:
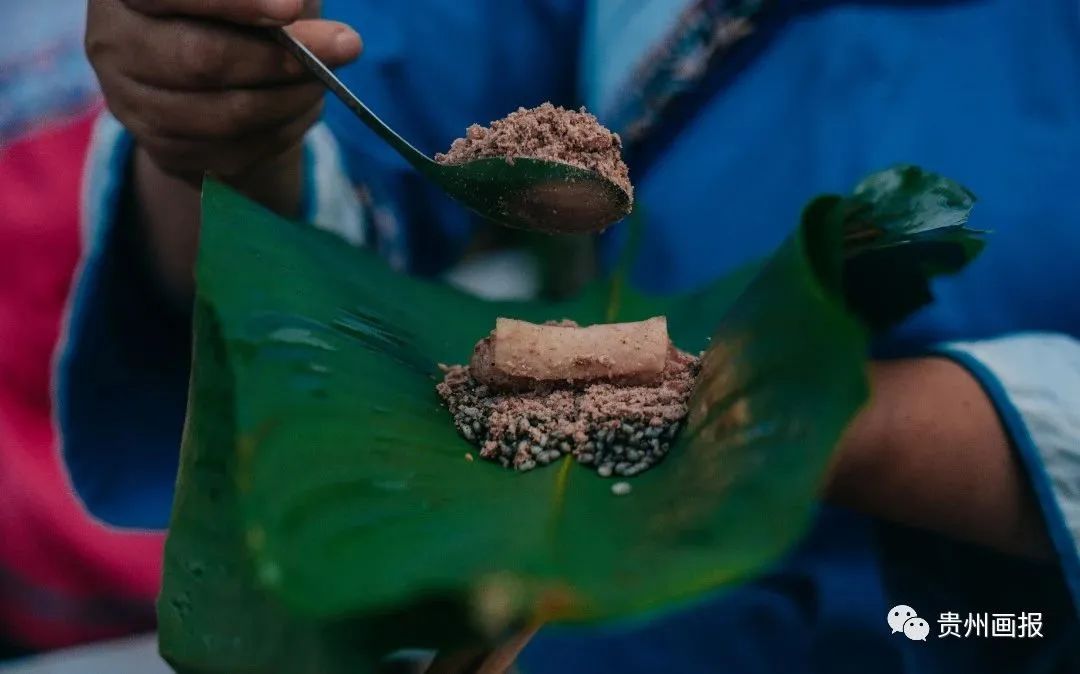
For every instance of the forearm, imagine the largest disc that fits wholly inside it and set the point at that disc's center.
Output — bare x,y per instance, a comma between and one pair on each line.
929,451
164,211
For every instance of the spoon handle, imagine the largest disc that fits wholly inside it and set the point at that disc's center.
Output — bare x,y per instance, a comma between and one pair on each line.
320,70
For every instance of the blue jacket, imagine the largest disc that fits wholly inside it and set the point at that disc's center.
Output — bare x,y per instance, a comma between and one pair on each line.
731,125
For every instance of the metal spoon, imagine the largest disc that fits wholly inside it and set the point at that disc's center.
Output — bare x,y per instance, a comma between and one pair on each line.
534,194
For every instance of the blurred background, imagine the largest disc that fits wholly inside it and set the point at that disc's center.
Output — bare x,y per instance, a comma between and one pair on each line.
65,579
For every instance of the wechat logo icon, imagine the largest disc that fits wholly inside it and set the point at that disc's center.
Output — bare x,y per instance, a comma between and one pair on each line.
903,619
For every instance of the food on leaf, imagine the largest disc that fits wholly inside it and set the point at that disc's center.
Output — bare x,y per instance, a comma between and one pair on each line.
611,396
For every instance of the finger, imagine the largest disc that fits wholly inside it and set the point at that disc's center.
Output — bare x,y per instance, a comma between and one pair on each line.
193,54
247,12
269,146
335,43
231,158
210,115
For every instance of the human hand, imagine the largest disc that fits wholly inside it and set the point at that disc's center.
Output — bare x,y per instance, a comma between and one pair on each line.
201,85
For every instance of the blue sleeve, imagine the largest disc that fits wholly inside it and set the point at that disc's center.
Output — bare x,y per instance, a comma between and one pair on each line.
1033,379
430,70
122,372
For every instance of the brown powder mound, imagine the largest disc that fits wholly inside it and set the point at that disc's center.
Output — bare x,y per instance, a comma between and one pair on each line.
620,430
547,132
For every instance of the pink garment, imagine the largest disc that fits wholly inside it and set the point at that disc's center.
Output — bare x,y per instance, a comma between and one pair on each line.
64,578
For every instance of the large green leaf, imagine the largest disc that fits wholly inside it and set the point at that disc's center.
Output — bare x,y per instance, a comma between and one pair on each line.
211,615
326,513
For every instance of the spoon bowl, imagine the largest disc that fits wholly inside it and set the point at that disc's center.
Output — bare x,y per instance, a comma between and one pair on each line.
534,194
520,192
